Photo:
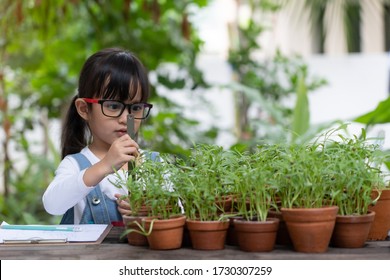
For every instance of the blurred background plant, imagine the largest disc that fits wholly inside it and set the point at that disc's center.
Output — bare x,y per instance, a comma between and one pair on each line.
42,48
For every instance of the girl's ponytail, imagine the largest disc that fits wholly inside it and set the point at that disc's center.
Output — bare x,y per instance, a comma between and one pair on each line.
74,131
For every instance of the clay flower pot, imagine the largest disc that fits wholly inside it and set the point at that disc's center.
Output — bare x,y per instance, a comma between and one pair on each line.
351,231
310,229
224,204
283,237
167,234
256,236
231,237
207,235
134,238
381,226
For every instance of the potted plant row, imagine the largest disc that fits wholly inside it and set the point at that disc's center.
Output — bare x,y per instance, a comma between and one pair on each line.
336,174
333,174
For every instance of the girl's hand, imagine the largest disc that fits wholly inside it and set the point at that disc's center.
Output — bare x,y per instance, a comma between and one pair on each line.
122,150
123,205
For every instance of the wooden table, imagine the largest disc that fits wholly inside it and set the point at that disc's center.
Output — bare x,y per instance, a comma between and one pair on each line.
115,249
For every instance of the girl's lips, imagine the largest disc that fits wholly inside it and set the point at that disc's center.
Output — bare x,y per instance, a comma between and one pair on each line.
121,132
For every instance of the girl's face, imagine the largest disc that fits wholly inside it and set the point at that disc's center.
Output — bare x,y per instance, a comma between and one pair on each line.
105,130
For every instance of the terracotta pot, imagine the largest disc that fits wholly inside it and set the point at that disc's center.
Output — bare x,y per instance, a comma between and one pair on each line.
186,237
231,235
166,234
134,238
310,229
256,236
237,201
282,237
381,226
143,211
351,231
207,235
225,204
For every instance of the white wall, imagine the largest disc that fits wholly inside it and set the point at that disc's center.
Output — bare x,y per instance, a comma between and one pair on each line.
357,82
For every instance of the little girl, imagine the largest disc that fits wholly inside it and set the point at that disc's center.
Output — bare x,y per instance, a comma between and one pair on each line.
113,84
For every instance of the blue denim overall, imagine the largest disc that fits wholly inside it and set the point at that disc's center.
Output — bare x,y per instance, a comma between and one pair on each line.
99,208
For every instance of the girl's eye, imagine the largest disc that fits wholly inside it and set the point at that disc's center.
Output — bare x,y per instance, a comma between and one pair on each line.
113,105
137,107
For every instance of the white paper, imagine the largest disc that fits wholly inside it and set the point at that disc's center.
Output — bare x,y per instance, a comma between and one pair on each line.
87,233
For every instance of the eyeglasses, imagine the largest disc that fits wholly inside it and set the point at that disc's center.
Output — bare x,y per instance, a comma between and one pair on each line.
115,108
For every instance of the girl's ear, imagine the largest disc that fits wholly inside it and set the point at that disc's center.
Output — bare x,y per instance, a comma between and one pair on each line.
82,108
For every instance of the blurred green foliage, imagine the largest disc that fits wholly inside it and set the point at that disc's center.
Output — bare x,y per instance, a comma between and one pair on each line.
43,45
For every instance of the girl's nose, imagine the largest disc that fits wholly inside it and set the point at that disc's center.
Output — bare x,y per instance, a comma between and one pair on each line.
123,117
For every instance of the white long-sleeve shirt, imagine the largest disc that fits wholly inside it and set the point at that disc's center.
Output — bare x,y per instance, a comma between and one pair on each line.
68,188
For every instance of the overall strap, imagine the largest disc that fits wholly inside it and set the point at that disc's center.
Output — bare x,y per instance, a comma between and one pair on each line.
154,156
95,201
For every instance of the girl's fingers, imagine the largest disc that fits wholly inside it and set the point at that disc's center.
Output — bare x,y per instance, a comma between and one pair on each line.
122,203
124,211
129,142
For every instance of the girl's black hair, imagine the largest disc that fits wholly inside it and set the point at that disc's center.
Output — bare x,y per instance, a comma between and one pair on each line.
111,73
